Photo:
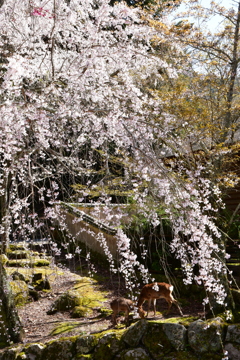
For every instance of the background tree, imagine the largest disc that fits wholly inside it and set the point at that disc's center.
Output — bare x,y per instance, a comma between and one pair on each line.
215,57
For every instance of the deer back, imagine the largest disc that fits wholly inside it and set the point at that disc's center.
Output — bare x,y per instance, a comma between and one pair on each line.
155,291
121,304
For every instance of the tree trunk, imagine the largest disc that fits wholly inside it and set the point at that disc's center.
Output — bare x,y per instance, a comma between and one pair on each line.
10,326
4,222
227,122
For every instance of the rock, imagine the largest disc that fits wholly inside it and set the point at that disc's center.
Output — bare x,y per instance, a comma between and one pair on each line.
233,352
108,346
206,336
236,296
9,354
137,354
34,351
233,334
36,277
177,335
134,333
34,294
80,311
16,275
18,254
67,301
61,349
156,341
20,291
85,344
43,284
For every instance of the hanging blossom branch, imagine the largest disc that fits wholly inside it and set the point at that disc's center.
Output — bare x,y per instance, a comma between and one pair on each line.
197,240
128,264
191,202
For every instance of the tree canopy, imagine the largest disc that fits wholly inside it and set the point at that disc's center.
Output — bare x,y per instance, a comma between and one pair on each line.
84,84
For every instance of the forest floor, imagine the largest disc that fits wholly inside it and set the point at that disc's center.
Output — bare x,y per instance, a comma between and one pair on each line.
38,325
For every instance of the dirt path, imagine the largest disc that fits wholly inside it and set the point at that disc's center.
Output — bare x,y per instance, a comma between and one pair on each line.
38,325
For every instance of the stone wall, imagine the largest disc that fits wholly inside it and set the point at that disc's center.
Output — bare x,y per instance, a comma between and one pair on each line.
86,228
144,340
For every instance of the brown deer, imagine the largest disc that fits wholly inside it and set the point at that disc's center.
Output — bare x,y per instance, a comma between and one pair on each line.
121,304
153,292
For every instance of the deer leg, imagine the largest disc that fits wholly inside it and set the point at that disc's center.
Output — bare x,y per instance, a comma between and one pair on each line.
154,306
127,318
149,305
169,306
177,305
114,318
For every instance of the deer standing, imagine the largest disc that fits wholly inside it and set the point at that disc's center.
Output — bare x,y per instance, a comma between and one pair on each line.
153,292
121,304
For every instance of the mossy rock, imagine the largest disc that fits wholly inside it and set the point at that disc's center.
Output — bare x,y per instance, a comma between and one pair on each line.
206,337
16,275
43,284
18,254
233,333
81,311
233,350
30,272
34,294
185,321
39,282
10,354
134,354
86,344
135,332
156,341
104,312
182,355
3,259
20,292
21,356
71,300
108,346
15,247
63,348
65,302
18,263
236,297
177,335
33,351
32,262
81,299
